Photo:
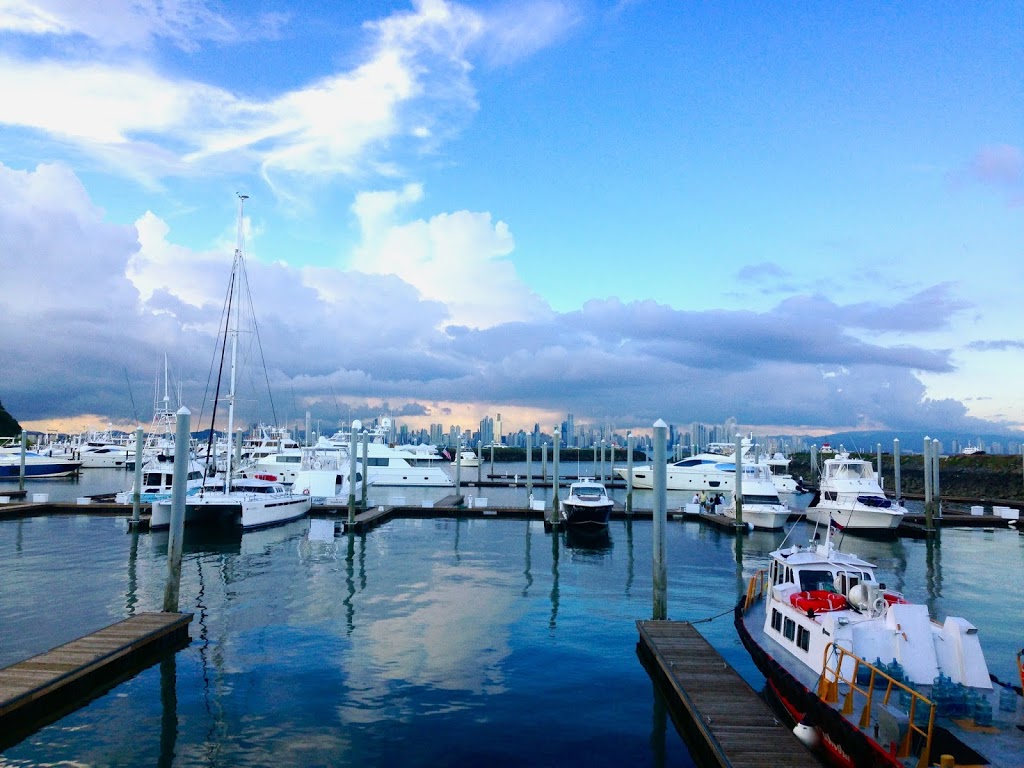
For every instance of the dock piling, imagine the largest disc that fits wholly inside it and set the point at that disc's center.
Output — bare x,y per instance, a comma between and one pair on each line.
177,526
660,504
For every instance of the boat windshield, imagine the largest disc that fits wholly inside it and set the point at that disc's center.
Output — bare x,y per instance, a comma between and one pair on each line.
817,580
879,502
760,499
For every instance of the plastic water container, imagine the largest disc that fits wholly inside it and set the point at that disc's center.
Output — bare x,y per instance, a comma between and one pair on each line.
40,498
4,499
977,510
83,500
1007,699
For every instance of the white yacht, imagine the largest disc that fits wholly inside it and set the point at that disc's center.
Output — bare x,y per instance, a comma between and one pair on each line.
712,471
386,465
761,508
466,459
778,466
324,477
852,498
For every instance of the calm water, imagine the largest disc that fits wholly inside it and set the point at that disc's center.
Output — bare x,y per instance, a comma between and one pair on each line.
422,643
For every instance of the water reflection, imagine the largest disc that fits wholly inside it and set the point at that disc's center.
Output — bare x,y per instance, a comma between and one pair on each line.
594,542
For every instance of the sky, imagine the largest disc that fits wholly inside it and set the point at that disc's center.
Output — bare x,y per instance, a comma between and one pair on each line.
807,217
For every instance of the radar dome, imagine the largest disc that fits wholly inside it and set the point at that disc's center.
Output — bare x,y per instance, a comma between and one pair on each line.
356,425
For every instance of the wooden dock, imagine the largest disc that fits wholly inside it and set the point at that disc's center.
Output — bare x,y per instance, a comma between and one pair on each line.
734,725
44,688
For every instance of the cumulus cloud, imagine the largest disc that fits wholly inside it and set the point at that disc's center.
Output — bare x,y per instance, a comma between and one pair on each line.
457,259
107,302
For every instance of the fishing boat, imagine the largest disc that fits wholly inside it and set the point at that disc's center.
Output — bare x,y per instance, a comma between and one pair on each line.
247,502
158,480
324,477
761,506
870,678
851,497
587,505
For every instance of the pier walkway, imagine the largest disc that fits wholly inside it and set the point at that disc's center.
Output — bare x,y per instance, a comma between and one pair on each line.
43,688
736,726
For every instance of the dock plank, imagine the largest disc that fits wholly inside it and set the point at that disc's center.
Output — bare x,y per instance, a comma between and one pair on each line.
33,688
738,728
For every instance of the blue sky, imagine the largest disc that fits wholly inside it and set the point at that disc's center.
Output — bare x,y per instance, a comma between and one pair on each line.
807,217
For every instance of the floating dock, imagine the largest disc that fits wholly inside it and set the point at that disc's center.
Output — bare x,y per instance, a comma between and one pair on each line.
44,688
735,726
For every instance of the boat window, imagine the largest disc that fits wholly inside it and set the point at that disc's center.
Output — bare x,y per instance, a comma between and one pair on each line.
377,461
878,502
817,580
152,478
725,467
828,495
789,628
288,459
803,638
776,620
759,499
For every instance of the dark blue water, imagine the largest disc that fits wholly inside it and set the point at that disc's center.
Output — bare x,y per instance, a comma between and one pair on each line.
422,643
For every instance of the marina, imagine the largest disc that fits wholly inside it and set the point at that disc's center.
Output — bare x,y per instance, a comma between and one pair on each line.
452,609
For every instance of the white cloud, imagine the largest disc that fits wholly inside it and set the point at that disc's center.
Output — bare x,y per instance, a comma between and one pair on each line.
458,259
127,23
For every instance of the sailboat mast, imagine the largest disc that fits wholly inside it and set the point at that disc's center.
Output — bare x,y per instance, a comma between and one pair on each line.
236,281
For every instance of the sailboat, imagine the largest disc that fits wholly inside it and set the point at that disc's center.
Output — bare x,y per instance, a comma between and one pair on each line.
247,502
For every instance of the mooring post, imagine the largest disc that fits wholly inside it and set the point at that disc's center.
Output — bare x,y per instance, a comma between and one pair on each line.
176,534
926,458
353,454
629,472
878,447
737,494
137,493
554,476
660,505
458,462
936,492
602,460
21,472
480,461
896,468
814,465
366,464
492,458
544,462
238,451
529,468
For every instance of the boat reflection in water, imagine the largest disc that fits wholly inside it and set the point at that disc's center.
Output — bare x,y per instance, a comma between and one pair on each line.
588,539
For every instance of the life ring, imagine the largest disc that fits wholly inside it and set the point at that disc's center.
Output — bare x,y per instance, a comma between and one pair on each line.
891,597
317,464
818,600
305,491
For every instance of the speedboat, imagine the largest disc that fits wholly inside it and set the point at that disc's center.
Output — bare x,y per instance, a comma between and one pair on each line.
37,465
587,504
852,499
467,459
761,507
713,471
870,678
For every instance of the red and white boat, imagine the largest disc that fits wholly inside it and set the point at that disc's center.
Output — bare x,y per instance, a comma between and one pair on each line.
869,677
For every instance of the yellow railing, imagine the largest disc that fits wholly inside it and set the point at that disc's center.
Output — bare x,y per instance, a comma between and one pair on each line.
828,690
757,588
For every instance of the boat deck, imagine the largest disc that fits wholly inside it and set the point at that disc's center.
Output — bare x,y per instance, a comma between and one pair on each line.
737,726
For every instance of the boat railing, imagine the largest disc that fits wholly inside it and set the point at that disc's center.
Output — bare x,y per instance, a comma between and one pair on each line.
757,588
844,669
